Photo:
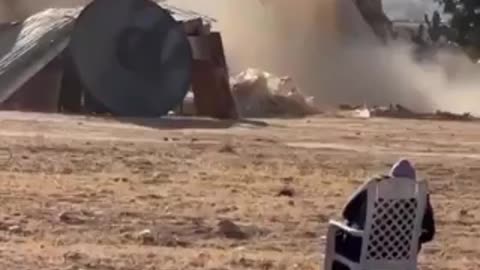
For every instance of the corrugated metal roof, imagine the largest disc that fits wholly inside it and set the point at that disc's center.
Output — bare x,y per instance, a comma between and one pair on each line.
181,14
25,48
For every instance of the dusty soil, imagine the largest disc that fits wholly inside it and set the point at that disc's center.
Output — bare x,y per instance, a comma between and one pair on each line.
84,193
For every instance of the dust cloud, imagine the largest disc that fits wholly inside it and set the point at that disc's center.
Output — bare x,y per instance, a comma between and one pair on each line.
325,46
332,54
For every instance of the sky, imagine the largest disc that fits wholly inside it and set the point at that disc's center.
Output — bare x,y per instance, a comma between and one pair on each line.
408,9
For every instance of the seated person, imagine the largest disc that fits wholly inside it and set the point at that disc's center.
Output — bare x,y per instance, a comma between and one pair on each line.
354,214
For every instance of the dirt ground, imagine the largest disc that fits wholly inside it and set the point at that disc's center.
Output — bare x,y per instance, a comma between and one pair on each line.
84,193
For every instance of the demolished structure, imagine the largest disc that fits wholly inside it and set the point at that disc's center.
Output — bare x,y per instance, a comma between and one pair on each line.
261,94
37,73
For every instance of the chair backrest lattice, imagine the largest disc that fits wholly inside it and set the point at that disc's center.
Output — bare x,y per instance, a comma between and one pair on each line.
395,211
392,229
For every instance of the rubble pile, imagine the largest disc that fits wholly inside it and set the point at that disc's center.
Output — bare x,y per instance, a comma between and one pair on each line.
392,110
399,111
261,94
453,116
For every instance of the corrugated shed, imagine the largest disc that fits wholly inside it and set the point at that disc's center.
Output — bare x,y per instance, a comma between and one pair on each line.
27,47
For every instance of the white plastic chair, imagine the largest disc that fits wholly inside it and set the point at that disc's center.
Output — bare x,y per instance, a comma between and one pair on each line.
393,225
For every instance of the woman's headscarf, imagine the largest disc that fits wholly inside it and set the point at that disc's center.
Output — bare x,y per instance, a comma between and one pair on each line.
403,168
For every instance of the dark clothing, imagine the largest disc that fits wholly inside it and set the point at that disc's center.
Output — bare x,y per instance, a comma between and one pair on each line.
348,246
355,213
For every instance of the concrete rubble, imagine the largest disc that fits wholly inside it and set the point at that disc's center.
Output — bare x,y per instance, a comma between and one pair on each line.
399,111
262,94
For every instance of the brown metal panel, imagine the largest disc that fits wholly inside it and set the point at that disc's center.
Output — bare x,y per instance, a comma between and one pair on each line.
40,93
218,52
210,83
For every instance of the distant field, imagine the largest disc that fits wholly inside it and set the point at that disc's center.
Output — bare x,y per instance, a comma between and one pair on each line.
85,193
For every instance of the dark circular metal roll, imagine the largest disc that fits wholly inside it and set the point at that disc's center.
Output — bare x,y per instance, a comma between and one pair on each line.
132,56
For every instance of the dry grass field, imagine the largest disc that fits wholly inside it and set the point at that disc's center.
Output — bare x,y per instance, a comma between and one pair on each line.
84,193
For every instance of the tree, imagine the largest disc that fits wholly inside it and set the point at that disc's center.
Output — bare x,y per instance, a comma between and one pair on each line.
464,20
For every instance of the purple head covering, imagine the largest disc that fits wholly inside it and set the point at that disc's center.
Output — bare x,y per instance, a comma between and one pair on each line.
403,168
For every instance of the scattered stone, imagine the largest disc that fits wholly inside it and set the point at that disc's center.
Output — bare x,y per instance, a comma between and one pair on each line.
452,116
15,229
71,218
227,148
67,171
231,230
120,179
201,260
74,256
146,237
244,262
286,192
171,240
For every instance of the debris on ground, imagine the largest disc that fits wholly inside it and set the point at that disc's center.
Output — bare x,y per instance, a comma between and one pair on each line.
227,148
15,229
172,240
453,116
231,230
286,192
393,110
72,218
362,113
261,94
348,107
146,237
400,111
